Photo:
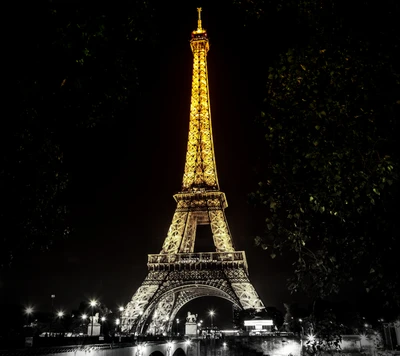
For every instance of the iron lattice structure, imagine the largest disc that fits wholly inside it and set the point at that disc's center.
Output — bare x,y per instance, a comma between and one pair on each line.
177,274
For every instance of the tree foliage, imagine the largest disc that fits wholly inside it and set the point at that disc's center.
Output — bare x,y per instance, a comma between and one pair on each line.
329,179
74,67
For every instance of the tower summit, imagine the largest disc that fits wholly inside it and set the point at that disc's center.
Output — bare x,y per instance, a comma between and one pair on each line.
178,274
200,169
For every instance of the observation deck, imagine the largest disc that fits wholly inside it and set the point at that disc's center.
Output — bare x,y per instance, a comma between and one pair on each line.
197,261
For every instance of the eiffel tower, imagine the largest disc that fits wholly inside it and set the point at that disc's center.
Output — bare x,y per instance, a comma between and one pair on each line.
177,274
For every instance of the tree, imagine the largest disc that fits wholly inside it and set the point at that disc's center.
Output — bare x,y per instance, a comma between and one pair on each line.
74,68
329,179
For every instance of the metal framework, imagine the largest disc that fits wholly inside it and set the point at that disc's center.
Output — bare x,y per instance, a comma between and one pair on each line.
177,274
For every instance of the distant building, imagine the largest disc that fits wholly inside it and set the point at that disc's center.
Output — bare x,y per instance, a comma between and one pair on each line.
259,326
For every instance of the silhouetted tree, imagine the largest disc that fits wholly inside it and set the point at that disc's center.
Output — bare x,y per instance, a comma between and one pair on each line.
329,177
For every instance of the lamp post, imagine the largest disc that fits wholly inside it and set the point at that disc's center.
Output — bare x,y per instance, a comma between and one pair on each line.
103,319
28,311
60,314
84,317
52,312
212,312
121,309
93,303
301,326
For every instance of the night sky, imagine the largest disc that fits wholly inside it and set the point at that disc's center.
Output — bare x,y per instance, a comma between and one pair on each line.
123,176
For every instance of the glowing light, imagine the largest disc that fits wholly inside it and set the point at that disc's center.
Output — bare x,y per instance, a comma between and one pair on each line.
211,312
103,318
311,337
188,342
169,344
60,314
224,344
28,310
93,303
117,321
84,316
121,309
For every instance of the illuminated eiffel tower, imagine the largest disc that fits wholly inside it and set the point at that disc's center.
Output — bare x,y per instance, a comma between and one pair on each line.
177,274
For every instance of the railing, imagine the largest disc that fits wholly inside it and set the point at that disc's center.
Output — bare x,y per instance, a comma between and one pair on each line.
197,260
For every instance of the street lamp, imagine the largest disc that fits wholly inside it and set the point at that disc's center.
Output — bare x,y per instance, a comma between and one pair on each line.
93,303
28,312
211,312
121,309
103,319
84,317
302,328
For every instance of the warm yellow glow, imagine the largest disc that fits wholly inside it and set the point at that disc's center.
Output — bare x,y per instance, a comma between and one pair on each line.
93,303
199,28
200,169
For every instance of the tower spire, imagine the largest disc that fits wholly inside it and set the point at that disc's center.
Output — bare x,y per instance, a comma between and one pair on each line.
200,172
199,28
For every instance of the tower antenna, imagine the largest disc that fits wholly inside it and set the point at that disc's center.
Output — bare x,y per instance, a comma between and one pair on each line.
199,20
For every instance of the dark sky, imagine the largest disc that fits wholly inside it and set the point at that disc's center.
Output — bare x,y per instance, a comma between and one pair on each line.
123,178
